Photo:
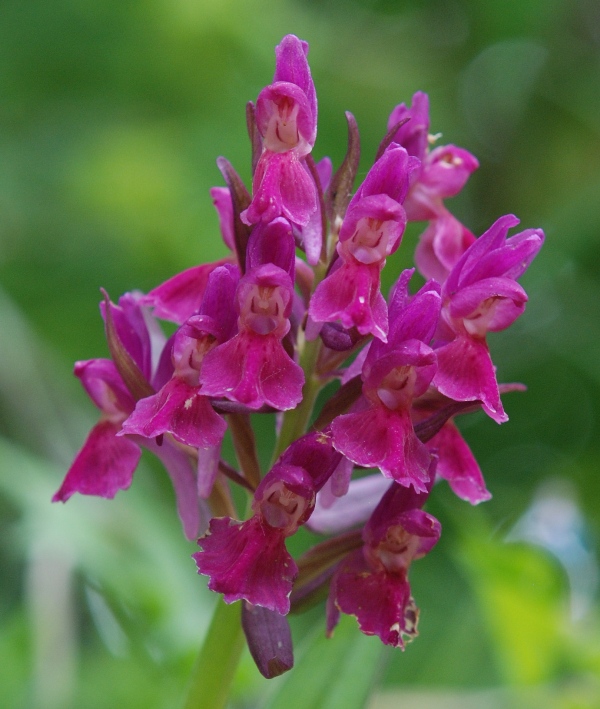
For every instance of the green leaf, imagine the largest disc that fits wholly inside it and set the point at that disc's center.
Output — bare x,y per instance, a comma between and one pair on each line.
522,599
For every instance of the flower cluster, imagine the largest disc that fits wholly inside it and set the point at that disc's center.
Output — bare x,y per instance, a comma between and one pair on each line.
297,305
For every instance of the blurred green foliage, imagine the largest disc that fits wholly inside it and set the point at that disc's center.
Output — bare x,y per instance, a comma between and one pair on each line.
111,117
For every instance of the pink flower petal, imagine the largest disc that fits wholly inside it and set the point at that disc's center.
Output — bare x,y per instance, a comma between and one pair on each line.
179,409
351,294
254,370
281,187
466,373
379,437
249,561
457,465
181,296
103,466
380,601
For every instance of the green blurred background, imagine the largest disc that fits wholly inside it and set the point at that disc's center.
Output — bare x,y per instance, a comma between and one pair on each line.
111,117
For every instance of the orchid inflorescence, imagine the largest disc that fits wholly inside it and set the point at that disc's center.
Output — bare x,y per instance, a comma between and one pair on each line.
295,306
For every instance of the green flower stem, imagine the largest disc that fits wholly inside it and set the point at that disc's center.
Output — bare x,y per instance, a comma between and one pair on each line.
217,662
295,422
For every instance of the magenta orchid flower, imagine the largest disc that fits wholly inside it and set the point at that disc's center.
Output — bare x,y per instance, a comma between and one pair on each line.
372,229
105,464
378,431
286,118
180,407
107,461
444,172
372,582
249,560
481,295
253,368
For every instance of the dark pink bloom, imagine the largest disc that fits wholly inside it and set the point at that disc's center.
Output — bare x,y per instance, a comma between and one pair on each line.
372,582
107,461
286,118
378,431
253,368
481,295
372,229
248,560
180,407
105,464
444,171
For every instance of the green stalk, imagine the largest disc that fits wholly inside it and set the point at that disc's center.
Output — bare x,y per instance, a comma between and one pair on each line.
295,421
213,673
